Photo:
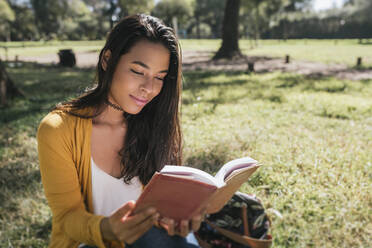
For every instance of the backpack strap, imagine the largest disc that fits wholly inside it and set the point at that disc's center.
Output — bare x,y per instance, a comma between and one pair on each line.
242,239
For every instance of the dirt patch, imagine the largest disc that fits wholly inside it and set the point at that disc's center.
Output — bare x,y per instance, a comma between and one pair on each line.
83,59
201,60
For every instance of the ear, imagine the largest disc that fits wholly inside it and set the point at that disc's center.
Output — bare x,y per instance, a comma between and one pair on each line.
105,58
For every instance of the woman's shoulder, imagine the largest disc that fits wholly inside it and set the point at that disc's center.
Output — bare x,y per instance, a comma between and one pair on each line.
54,124
56,119
60,121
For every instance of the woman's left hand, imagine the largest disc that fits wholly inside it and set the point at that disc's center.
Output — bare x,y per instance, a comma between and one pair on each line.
183,227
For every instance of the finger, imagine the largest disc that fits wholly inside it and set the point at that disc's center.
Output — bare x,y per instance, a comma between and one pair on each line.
124,210
168,225
195,222
184,228
139,217
142,228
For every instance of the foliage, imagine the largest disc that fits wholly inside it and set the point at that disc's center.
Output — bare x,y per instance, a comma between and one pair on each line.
23,27
168,9
209,12
260,15
6,13
351,21
48,15
6,16
92,19
129,7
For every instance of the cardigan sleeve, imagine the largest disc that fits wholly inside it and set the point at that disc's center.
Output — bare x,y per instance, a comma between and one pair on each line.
61,184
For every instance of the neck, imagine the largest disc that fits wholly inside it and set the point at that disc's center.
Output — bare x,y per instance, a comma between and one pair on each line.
111,116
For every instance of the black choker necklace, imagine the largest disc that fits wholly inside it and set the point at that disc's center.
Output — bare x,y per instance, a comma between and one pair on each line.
115,106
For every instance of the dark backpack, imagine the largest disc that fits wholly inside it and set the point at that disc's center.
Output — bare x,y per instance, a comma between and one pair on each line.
242,222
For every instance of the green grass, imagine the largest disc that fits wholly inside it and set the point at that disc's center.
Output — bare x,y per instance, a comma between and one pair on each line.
313,138
324,51
40,48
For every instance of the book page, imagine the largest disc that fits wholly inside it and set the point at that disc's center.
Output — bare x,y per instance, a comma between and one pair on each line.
192,173
235,164
233,182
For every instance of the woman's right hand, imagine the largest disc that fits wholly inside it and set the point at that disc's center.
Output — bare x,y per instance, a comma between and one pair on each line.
120,226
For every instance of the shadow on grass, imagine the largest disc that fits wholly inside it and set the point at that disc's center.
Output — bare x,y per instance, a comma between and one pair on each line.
209,161
20,182
42,230
317,83
44,86
27,108
16,177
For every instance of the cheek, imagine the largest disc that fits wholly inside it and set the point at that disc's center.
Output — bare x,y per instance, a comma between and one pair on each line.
123,82
158,87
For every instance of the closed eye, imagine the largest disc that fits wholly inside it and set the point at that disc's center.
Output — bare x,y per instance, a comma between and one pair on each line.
161,79
136,72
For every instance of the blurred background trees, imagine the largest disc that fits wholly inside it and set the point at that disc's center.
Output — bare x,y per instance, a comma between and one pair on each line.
91,19
7,16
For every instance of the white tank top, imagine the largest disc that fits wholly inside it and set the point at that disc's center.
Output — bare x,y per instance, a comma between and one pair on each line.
110,193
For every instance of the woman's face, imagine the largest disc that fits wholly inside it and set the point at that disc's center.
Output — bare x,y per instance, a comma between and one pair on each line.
139,75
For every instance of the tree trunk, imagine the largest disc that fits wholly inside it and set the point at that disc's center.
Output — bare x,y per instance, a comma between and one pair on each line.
7,87
197,26
230,34
111,12
256,27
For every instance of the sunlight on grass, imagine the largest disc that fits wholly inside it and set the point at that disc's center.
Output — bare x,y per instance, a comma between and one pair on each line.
313,138
324,51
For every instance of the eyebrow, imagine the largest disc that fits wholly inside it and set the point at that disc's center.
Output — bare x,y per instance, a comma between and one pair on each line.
146,66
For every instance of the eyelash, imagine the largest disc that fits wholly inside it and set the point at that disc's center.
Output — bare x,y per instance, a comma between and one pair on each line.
140,73
136,72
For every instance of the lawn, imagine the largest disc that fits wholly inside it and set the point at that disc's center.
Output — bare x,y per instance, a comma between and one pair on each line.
313,138
324,51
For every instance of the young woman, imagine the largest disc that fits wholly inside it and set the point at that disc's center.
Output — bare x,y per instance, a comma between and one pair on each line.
97,151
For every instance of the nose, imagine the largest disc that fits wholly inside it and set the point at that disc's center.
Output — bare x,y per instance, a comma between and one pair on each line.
147,85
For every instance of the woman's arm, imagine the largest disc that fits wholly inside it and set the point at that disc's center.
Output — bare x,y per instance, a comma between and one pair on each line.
120,226
63,192
61,183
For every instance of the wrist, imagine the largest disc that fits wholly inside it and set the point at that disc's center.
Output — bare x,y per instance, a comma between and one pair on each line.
106,230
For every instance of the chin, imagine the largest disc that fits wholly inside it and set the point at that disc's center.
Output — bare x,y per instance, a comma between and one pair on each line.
134,111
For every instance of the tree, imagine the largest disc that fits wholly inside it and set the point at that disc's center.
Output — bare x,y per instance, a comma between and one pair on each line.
78,22
7,87
101,15
129,7
230,35
259,15
209,12
48,16
6,16
23,27
167,10
230,32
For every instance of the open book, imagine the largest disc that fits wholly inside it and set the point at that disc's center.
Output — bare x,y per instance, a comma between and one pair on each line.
180,192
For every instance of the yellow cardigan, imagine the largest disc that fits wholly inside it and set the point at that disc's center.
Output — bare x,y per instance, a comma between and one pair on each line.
64,156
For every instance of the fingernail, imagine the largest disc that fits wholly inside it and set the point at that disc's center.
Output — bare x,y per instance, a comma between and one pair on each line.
164,220
151,210
156,216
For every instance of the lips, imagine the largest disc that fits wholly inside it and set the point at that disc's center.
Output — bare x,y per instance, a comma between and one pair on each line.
139,101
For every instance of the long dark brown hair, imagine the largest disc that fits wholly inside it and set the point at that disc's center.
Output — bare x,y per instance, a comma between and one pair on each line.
153,136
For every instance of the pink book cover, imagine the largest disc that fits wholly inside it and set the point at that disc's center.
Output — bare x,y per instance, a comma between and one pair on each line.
174,197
